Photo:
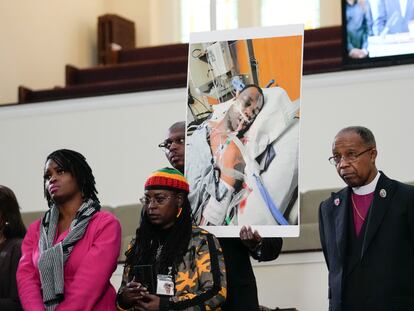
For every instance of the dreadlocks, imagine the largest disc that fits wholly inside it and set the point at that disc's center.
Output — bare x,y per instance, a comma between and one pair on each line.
176,244
76,164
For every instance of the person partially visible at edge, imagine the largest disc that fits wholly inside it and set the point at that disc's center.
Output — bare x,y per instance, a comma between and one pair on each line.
241,282
12,231
69,255
186,261
359,27
174,145
393,16
367,230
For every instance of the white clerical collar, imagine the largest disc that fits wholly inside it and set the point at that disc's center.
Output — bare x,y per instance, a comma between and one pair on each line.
366,189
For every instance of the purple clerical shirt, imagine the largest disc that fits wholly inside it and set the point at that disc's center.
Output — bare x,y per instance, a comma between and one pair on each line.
360,207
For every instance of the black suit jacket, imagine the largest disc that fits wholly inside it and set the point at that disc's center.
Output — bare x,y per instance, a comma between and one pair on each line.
241,283
381,276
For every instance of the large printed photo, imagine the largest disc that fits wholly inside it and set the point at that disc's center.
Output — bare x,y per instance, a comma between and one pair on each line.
242,145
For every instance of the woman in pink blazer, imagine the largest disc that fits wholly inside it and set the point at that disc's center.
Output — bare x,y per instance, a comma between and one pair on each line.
69,255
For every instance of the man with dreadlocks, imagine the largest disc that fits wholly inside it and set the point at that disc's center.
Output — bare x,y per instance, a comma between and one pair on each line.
187,263
69,255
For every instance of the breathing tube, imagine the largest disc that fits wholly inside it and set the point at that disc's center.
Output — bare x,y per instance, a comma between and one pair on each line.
277,215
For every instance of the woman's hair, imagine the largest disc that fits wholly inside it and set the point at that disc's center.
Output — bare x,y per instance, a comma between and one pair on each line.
12,222
76,164
175,246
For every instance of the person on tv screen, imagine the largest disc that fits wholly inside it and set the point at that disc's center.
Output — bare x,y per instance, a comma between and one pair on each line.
393,16
359,27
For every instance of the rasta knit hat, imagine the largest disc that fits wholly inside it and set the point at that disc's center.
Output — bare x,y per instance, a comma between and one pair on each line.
167,178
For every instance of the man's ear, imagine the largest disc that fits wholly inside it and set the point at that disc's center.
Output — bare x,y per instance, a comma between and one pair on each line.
374,154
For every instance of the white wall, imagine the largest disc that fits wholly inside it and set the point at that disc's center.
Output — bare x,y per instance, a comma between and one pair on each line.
293,280
117,134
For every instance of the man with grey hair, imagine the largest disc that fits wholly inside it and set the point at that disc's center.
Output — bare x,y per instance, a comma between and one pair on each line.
367,230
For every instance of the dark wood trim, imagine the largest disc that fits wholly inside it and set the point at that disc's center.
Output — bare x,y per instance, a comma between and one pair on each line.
163,67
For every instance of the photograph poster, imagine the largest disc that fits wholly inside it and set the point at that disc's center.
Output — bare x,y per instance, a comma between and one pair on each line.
242,145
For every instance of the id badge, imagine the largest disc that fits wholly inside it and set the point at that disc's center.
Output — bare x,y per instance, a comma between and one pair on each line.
165,285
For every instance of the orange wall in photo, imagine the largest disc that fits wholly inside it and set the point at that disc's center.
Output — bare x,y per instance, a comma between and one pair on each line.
242,57
280,59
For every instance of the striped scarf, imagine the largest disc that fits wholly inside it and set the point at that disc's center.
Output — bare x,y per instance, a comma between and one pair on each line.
53,257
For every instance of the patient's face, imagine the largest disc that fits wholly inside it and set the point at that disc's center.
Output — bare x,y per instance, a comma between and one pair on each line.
245,109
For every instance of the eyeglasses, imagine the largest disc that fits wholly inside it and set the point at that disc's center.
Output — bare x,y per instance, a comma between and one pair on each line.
351,157
166,144
158,200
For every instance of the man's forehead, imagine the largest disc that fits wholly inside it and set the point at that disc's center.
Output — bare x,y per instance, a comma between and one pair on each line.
250,92
347,140
176,132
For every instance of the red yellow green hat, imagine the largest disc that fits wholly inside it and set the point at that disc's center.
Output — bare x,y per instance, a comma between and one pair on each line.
167,178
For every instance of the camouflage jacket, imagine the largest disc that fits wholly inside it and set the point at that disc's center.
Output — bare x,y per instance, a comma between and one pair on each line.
200,280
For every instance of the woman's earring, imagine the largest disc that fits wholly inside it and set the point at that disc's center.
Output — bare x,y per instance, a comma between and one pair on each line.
180,209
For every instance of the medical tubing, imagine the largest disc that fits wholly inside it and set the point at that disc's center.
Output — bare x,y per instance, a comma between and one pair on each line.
269,202
263,191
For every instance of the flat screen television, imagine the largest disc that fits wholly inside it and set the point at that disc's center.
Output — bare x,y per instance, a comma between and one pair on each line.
377,32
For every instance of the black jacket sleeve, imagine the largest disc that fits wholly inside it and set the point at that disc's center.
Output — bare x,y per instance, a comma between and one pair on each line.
268,250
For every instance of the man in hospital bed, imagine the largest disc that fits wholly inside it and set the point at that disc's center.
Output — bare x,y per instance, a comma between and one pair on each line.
242,163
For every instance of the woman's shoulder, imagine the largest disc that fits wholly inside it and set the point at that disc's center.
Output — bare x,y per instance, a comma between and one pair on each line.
104,215
199,231
104,218
34,226
105,226
203,240
33,231
201,234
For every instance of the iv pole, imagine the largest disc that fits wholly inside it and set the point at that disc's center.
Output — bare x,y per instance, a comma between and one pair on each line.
213,15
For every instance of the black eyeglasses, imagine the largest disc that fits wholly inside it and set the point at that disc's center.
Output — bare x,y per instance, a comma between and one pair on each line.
166,144
351,157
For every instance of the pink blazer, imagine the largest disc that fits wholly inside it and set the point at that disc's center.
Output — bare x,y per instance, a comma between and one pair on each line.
86,272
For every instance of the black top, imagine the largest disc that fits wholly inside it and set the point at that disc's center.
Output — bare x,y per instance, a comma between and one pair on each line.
10,253
241,283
